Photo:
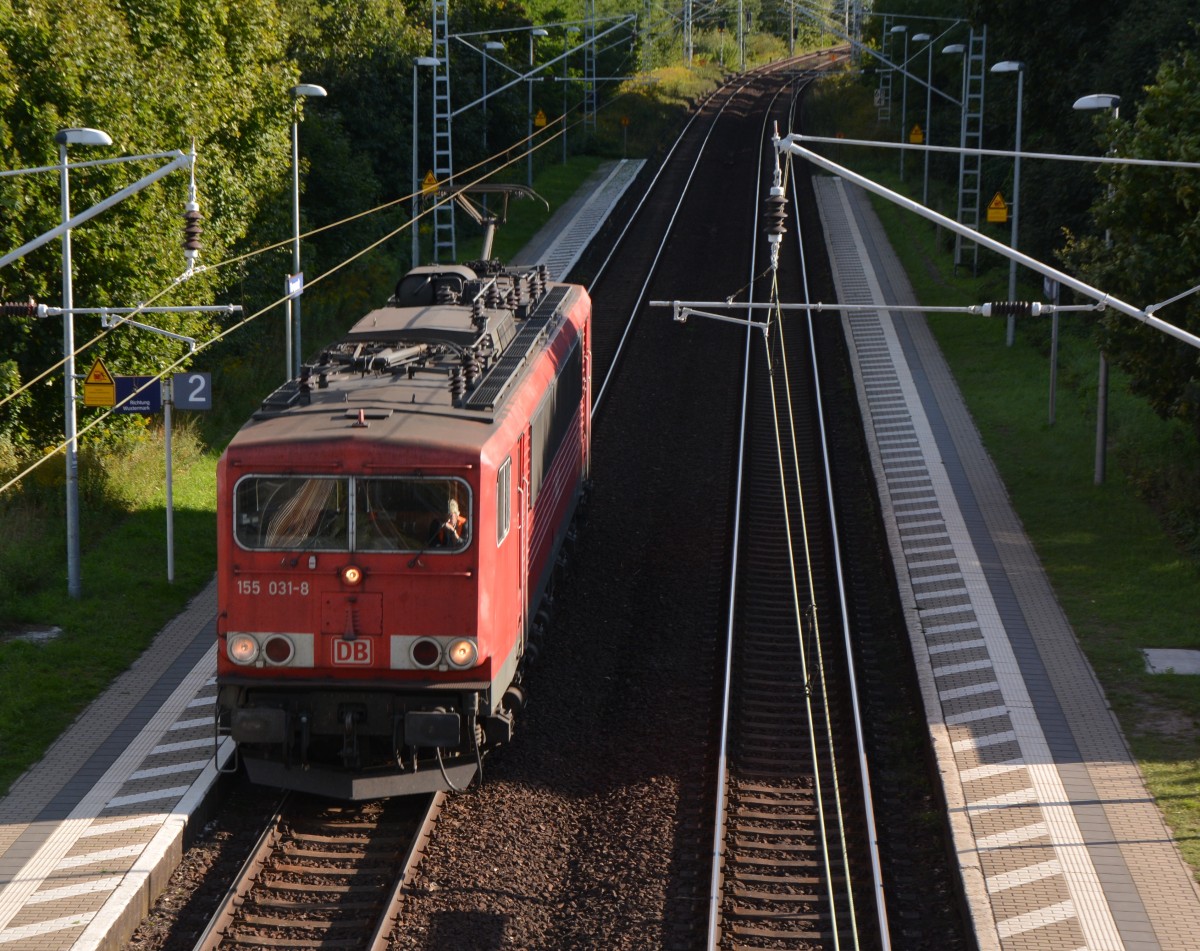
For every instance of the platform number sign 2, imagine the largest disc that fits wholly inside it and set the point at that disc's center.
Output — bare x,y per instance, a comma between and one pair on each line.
192,390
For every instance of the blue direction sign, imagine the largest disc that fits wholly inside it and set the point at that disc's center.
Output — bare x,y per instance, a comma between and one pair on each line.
146,402
192,390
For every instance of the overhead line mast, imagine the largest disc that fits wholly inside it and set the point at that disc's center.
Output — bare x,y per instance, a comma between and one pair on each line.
443,158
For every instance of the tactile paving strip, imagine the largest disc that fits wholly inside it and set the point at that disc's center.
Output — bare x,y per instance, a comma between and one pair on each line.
87,858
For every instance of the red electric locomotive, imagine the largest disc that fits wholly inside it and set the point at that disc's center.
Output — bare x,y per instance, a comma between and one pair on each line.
389,523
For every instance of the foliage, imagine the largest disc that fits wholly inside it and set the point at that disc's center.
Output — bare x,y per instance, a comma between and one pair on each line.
1152,246
1152,254
160,76
1108,46
42,687
127,598
156,78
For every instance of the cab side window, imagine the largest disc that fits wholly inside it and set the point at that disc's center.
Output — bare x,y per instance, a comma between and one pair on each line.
503,500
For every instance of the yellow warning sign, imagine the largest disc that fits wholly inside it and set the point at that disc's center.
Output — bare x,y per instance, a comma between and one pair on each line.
99,374
99,387
539,120
916,136
429,183
997,210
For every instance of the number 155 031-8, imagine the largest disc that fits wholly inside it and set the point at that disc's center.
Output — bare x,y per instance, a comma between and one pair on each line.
272,588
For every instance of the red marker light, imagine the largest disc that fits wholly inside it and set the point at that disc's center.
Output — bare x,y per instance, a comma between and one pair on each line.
426,652
278,649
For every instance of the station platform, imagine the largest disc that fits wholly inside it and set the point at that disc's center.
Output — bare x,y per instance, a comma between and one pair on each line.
90,836
565,236
1059,843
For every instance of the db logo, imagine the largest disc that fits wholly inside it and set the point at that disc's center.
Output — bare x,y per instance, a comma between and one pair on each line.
352,652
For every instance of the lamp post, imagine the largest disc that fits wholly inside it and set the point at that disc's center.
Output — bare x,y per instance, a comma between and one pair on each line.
566,43
491,46
292,315
416,245
1111,101
64,138
1012,66
535,32
928,40
904,95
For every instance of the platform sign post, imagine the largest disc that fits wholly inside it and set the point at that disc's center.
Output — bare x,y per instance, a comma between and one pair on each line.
1050,288
168,389
191,391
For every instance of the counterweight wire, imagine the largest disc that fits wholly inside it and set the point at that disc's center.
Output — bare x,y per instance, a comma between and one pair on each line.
807,298
873,849
52,452
529,145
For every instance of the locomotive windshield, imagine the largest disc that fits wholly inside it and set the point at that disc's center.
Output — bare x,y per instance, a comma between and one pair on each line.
297,513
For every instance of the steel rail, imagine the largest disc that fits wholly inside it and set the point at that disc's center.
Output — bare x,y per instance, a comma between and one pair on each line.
389,920
212,936
377,929
716,890
633,219
598,398
723,807
839,573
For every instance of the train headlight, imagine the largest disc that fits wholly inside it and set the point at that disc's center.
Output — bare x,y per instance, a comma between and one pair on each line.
462,653
352,575
242,648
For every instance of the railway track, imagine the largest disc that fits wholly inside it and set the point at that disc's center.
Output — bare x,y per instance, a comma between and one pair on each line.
325,875
795,830
788,796
597,827
273,902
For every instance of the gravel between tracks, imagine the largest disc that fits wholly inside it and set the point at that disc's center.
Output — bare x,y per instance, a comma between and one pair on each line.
585,831
191,895
570,841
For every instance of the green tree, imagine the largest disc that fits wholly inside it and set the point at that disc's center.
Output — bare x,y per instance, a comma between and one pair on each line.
157,77
1153,252
1070,49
